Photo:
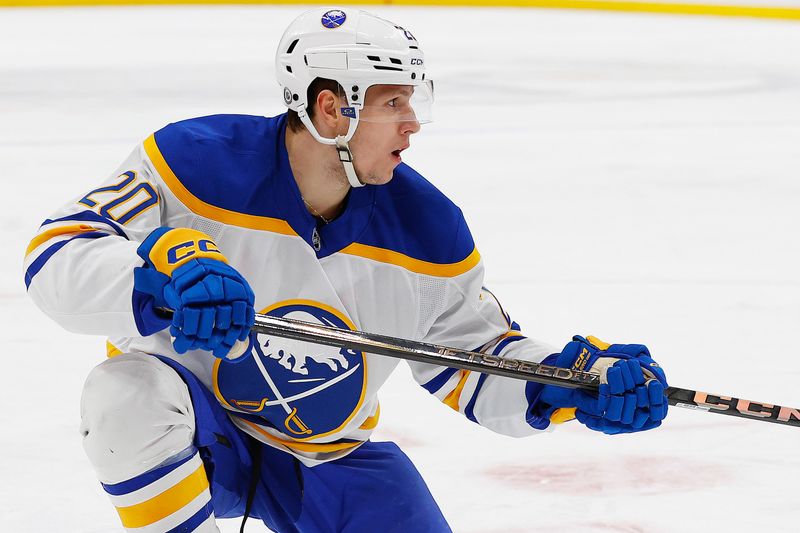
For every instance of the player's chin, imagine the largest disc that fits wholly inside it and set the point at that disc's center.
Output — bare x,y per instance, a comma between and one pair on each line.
381,176
394,162
387,176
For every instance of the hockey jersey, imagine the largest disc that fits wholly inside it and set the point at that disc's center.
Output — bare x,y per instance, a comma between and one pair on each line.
398,261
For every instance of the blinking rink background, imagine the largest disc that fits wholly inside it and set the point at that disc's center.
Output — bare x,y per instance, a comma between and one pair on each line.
635,177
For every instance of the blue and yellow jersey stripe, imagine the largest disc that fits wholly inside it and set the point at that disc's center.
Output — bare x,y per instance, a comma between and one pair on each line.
212,212
82,222
450,384
55,234
41,260
418,266
276,225
58,231
453,398
234,170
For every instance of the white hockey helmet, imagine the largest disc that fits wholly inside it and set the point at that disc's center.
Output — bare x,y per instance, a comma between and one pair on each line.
357,50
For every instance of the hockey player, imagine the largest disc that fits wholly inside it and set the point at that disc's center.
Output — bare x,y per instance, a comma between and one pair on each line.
309,215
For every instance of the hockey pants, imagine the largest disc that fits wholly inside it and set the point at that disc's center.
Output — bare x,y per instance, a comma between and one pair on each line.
171,460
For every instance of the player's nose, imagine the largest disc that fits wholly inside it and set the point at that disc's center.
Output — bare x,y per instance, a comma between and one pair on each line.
410,126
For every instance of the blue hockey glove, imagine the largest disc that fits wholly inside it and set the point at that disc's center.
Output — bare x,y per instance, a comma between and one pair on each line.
212,303
631,396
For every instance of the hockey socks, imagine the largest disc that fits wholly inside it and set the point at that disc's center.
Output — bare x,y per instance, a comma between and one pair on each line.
170,498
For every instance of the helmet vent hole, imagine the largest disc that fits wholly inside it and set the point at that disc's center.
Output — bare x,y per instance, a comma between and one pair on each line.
383,67
395,61
413,47
288,69
291,46
373,58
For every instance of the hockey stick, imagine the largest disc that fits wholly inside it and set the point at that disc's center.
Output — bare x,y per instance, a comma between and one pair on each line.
511,368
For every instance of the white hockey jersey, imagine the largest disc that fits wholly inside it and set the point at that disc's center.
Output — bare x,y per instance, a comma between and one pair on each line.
398,261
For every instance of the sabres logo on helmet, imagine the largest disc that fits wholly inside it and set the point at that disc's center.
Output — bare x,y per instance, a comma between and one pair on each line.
304,390
333,18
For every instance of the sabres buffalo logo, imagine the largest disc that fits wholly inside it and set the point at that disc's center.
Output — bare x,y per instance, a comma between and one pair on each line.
303,390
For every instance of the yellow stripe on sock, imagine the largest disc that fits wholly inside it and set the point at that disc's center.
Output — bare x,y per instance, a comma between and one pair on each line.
166,503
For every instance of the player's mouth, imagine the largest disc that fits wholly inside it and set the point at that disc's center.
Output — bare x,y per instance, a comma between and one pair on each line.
396,153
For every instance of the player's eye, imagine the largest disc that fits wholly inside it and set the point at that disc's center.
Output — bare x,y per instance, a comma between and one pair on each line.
393,102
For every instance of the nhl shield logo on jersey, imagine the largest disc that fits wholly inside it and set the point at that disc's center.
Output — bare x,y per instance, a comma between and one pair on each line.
303,390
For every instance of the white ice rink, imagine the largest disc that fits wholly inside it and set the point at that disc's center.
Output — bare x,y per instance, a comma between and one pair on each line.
634,177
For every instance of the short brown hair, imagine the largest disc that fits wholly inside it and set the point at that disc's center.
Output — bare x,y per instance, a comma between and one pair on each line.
316,87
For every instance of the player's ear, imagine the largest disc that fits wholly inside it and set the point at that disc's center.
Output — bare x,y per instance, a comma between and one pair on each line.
328,112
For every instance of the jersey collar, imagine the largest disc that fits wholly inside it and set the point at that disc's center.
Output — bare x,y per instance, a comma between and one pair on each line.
340,232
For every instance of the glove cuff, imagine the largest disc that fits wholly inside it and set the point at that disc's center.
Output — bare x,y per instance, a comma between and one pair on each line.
165,249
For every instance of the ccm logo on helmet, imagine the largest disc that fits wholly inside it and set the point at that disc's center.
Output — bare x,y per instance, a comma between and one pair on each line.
416,61
333,18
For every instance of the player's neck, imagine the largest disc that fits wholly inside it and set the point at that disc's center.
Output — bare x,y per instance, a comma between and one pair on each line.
319,174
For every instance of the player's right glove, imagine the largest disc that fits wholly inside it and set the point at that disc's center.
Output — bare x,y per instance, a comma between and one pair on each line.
631,396
212,303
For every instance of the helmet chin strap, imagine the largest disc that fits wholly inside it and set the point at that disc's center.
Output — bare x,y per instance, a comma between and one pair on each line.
340,143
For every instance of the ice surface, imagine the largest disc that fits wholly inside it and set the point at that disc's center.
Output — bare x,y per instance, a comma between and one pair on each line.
630,176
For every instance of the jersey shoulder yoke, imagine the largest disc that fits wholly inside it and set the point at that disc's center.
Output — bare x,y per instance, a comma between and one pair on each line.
227,162
413,218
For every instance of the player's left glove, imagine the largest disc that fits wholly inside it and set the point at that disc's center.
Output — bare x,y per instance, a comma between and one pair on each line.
212,303
631,396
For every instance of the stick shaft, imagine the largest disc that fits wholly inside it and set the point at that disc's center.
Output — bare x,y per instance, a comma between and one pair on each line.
510,368
727,405
425,353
